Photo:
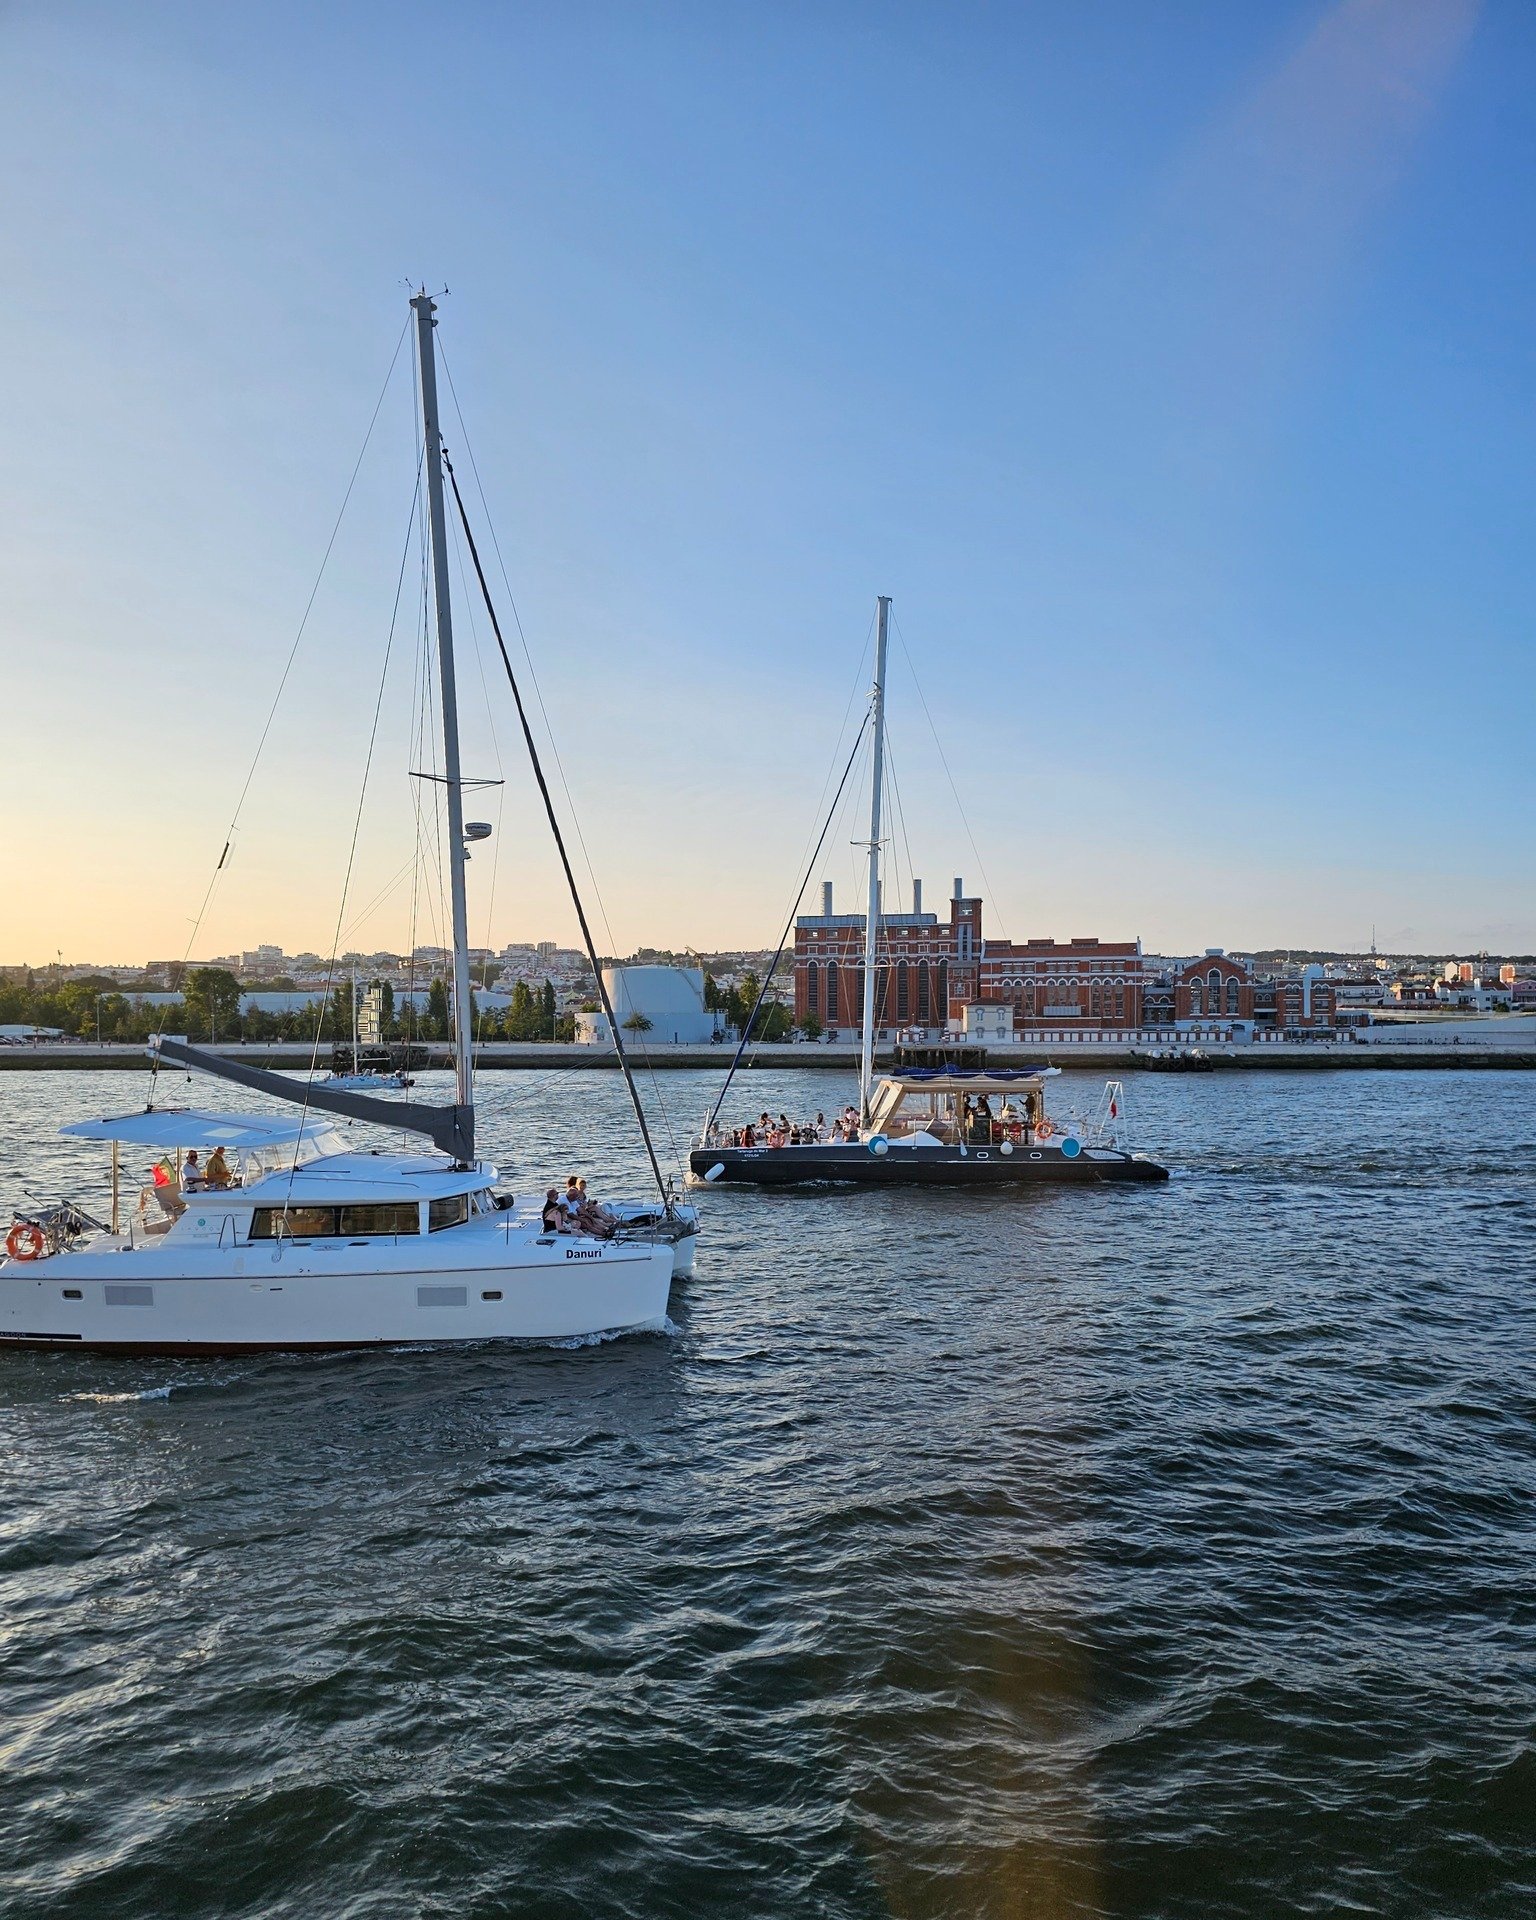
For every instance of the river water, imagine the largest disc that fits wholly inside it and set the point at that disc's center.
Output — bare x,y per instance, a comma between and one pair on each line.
1133,1551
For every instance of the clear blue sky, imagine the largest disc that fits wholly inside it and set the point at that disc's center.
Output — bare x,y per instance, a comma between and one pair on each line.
1170,364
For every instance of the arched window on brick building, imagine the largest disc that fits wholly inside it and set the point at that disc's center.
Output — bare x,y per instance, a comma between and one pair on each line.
1232,1002
1196,999
903,994
832,1016
924,1001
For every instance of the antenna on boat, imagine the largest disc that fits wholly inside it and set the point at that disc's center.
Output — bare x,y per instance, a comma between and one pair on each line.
424,306
876,781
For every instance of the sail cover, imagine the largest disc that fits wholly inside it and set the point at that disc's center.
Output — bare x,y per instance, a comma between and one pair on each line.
451,1129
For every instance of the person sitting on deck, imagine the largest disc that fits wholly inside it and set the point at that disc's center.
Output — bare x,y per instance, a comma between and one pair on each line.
192,1180
216,1173
592,1218
571,1199
553,1219
581,1190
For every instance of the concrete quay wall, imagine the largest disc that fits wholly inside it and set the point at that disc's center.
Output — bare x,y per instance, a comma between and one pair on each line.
515,1055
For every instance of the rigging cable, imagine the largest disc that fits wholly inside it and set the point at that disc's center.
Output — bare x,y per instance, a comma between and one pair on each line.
751,1020
554,746
943,762
478,1006
327,1005
293,651
859,681
559,837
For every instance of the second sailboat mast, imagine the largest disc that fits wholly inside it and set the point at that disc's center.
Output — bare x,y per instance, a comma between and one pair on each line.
872,922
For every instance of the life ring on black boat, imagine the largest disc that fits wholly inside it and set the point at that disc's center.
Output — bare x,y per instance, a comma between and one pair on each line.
1044,1128
26,1241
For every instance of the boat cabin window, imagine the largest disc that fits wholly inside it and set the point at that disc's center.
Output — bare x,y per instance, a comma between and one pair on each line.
451,1211
324,1223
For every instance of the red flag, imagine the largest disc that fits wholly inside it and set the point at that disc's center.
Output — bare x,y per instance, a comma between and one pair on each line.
1113,1109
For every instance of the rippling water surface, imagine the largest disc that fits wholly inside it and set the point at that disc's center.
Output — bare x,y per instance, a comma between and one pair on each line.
1121,1552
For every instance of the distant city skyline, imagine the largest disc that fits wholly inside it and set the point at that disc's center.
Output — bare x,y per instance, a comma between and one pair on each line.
561,953
1168,366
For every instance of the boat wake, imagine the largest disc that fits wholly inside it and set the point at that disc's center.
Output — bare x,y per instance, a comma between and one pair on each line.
118,1399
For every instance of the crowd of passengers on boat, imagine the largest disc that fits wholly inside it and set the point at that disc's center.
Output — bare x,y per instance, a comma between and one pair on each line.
977,1126
168,1185
574,1211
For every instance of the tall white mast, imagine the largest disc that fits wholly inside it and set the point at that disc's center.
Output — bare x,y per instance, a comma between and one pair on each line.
872,918
424,307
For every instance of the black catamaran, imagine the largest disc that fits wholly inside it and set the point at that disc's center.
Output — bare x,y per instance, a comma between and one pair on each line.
930,1121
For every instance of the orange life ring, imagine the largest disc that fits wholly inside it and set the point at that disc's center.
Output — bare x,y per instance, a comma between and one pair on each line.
1044,1128
25,1241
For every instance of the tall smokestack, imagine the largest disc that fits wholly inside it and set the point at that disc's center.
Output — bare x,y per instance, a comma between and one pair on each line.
826,898
917,896
959,888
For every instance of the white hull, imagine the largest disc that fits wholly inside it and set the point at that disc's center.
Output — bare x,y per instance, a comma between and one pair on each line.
202,1297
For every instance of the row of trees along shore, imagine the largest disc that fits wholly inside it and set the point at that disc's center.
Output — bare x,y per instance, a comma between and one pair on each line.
209,1009
96,1006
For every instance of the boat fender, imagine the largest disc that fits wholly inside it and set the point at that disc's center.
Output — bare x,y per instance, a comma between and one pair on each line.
1007,1147
878,1144
715,1171
1071,1148
25,1241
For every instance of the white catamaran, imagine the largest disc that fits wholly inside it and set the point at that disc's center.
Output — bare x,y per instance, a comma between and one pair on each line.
290,1236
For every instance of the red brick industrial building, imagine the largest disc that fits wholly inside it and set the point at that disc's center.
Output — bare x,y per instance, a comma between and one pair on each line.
931,969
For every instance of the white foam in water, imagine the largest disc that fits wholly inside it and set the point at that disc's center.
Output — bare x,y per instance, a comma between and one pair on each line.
112,1399
583,1340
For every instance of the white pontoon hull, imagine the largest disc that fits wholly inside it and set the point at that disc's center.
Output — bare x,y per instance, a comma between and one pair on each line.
207,1299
